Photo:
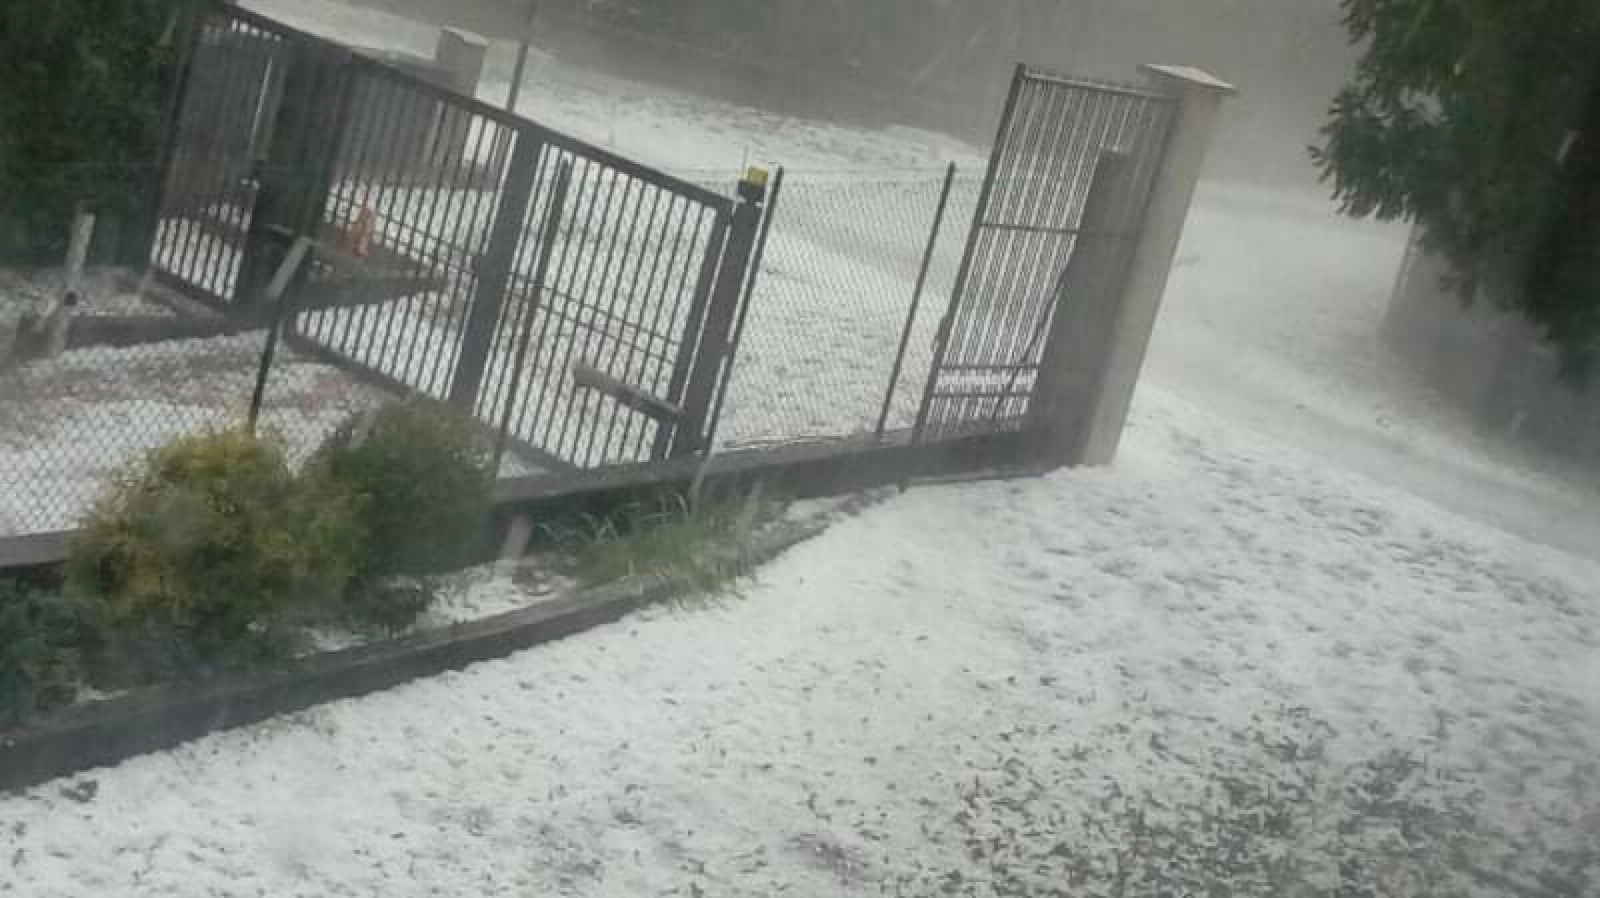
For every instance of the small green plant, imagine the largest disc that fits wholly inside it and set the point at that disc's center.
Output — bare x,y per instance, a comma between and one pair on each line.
42,639
421,477
205,555
704,545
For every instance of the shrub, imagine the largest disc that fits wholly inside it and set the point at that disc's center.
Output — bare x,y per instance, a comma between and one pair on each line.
200,558
42,638
420,474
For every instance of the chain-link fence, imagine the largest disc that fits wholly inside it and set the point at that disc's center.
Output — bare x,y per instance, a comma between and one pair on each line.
837,295
90,390
140,365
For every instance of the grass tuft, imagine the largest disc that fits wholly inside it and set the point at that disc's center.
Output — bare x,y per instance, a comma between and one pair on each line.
707,546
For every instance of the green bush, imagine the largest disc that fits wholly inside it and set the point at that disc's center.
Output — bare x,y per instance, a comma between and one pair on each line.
421,476
42,639
202,558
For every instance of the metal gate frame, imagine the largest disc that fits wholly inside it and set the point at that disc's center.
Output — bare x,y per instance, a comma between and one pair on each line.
1066,190
618,335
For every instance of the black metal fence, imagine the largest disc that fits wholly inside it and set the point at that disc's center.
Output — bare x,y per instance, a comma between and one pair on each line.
441,262
588,310
1034,216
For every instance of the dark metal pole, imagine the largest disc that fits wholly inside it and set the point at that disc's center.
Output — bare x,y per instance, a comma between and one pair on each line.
916,297
277,294
744,306
547,231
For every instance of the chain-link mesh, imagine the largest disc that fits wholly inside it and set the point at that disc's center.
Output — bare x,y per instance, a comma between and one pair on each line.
833,300
137,369
144,366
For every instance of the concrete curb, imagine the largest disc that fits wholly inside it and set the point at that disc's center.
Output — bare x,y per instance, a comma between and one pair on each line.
105,733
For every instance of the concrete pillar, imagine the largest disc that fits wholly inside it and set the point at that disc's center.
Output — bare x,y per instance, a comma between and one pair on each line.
460,54
1088,296
459,57
1199,97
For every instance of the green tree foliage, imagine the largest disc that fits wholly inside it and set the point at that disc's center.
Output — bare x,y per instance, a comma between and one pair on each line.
81,88
1464,116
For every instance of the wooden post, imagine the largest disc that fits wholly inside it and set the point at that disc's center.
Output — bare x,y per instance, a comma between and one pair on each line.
77,255
54,329
1199,97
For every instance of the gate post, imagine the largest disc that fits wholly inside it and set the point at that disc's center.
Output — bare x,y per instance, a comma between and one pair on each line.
1199,97
494,272
715,335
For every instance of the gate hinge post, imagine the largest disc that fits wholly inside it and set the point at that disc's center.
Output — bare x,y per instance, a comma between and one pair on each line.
715,336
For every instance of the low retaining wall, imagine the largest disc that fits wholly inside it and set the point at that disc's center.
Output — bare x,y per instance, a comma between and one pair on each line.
802,470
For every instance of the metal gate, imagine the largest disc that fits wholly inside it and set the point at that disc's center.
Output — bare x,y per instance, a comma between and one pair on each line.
574,300
1066,189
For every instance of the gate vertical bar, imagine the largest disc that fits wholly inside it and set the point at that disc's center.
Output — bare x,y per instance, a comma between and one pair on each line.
547,231
962,273
495,271
712,348
916,297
